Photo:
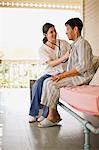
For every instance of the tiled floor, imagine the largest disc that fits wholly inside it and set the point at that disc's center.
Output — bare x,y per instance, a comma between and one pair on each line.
17,134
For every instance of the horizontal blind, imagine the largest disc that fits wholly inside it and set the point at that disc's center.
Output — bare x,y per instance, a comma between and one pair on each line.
91,23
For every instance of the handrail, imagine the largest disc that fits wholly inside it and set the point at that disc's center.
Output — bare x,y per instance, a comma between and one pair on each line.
10,61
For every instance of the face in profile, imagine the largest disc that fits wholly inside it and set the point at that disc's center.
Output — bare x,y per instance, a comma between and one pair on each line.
69,32
51,34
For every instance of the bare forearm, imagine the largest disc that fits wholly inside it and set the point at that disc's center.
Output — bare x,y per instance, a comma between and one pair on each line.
56,62
70,73
59,60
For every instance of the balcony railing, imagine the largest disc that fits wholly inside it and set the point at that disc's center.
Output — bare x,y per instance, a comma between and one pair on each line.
18,73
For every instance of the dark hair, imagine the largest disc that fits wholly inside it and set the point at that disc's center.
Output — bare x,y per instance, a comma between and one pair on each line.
45,29
75,22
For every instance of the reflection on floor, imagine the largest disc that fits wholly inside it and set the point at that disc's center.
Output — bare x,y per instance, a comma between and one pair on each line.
17,134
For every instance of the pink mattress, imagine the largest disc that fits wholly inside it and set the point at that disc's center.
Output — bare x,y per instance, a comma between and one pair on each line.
83,98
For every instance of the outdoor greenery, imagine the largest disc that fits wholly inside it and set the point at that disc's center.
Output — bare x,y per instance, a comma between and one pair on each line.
19,75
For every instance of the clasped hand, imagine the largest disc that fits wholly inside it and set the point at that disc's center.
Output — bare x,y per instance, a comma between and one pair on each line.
57,77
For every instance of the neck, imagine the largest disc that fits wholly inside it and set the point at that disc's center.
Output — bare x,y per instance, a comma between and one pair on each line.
76,36
52,42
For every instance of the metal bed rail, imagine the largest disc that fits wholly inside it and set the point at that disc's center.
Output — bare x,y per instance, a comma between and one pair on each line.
88,127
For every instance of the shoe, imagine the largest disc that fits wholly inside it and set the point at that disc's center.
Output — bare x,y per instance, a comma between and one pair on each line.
41,118
32,119
47,123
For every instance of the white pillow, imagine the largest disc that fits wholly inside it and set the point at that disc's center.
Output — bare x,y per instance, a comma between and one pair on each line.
95,79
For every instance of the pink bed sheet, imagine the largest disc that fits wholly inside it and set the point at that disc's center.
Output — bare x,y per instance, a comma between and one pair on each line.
84,98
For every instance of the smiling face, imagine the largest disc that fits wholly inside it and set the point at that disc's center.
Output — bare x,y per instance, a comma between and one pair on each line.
51,34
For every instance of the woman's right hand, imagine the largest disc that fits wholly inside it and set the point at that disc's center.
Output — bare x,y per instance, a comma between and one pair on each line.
66,55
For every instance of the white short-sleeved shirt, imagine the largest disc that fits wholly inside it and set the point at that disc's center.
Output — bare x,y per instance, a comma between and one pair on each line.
46,53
